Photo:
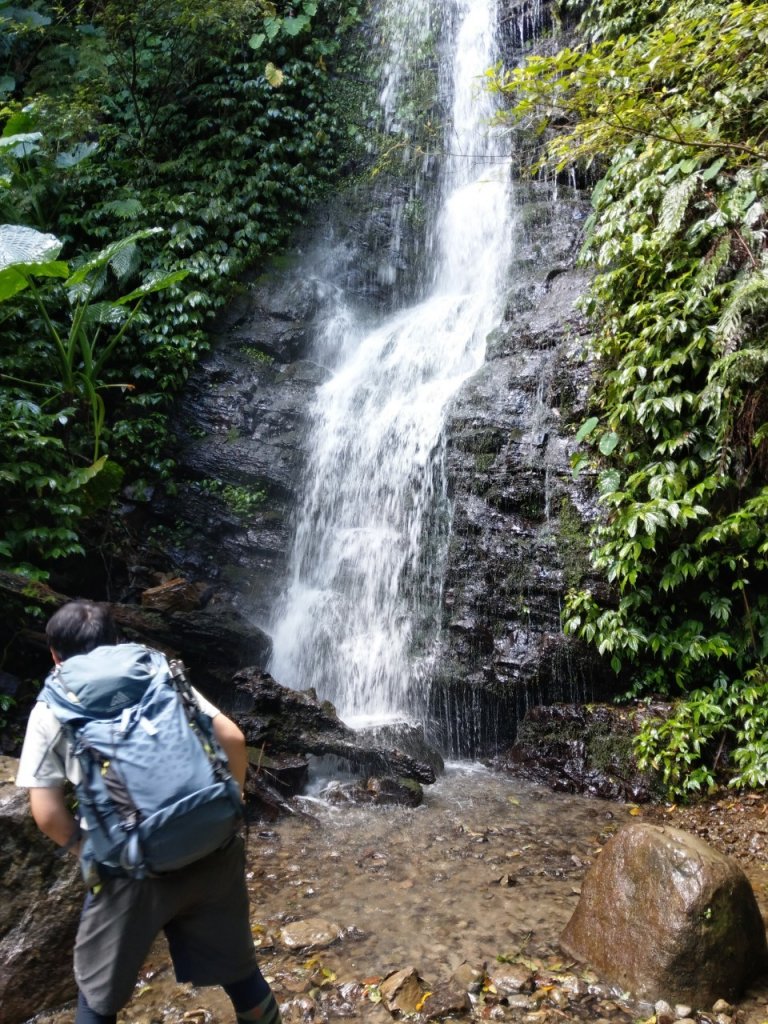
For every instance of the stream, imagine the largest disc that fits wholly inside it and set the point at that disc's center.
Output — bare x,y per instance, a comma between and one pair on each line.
486,872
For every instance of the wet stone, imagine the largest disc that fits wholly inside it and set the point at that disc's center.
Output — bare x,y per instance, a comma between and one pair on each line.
721,1006
559,998
311,933
575,986
512,978
447,1001
403,990
664,1012
518,1001
469,976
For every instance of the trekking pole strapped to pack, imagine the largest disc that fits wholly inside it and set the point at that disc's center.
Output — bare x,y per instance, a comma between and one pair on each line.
156,793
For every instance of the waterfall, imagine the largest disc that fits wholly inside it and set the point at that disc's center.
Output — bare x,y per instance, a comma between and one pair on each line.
361,609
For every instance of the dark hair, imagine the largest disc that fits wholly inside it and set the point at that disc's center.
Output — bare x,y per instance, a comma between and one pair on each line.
80,626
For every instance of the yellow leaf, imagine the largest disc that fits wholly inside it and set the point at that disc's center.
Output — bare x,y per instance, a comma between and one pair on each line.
273,75
374,994
420,1004
634,811
513,800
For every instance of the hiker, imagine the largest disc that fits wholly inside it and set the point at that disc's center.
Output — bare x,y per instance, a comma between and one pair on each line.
202,907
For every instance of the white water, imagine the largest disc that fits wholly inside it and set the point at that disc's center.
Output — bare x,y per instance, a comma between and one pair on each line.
361,609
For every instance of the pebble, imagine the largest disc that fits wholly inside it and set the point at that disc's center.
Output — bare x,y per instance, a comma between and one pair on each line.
574,986
519,1001
721,1006
559,999
664,1012
683,1012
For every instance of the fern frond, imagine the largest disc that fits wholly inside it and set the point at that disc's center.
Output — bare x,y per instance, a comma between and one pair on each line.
706,276
749,299
674,208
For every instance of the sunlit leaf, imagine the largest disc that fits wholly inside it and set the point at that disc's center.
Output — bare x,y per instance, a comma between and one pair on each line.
273,75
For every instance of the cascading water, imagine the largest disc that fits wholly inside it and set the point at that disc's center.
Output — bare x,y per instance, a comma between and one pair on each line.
361,609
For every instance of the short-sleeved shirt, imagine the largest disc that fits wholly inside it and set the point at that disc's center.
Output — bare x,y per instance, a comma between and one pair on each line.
46,756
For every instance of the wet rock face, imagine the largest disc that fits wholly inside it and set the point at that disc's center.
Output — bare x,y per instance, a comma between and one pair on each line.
519,521
580,749
664,915
40,900
241,426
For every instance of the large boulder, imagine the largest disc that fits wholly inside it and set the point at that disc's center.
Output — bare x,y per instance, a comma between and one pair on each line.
664,915
40,899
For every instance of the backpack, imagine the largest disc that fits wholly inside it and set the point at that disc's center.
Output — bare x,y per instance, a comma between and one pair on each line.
156,793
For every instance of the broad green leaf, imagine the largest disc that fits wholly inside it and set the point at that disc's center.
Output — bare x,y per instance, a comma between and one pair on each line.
586,429
713,169
105,256
77,154
608,442
609,481
16,278
293,26
23,245
20,145
153,285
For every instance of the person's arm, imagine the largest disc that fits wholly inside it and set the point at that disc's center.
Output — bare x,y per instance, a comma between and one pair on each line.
52,816
232,742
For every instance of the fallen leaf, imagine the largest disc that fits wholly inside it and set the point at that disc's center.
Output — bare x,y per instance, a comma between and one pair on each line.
420,1004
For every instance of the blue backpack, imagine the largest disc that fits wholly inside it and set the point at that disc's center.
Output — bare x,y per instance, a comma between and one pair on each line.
156,793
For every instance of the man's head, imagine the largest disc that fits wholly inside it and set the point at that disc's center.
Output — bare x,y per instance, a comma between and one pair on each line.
79,627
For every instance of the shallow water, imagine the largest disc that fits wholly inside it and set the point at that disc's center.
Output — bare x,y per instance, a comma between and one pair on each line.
488,867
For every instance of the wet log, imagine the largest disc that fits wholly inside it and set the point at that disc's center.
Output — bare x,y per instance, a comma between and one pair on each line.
214,640
296,722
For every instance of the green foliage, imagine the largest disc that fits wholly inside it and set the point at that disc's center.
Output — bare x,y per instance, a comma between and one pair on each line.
669,100
159,124
243,501
52,417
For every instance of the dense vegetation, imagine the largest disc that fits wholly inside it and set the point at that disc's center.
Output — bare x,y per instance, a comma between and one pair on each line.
149,154
667,102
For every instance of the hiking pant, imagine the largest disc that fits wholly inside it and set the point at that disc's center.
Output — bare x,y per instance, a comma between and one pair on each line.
202,909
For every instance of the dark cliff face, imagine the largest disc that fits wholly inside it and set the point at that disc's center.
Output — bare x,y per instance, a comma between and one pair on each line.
518,537
519,520
241,435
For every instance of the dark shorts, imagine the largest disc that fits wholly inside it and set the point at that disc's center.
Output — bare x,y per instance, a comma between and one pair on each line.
203,910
